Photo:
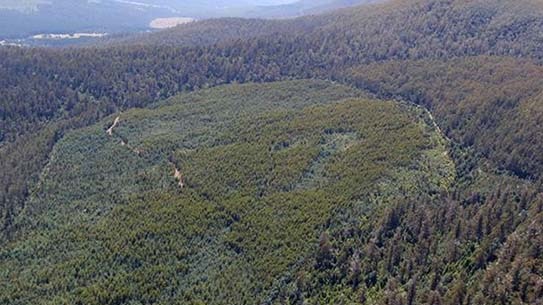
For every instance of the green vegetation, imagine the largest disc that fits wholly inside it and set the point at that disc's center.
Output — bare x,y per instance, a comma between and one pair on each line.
495,108
265,168
290,192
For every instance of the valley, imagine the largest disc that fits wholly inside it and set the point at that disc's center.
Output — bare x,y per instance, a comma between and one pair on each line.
22,19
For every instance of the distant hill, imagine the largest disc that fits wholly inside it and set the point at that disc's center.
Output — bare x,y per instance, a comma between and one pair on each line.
304,7
23,19
71,16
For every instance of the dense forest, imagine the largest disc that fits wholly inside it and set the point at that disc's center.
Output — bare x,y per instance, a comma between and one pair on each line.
263,169
455,217
494,107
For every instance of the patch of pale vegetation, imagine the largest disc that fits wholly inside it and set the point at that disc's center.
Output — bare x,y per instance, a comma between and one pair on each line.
331,144
69,36
179,177
11,44
165,23
115,123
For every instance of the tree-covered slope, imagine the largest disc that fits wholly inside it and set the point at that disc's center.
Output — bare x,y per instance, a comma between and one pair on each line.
428,232
210,32
64,89
491,103
253,50
436,28
263,170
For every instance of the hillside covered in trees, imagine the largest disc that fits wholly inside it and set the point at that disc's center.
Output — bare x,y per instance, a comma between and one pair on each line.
391,154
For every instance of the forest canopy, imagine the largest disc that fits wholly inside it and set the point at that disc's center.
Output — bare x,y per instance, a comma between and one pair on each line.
388,154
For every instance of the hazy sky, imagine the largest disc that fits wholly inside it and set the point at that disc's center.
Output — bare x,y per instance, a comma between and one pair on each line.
271,2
